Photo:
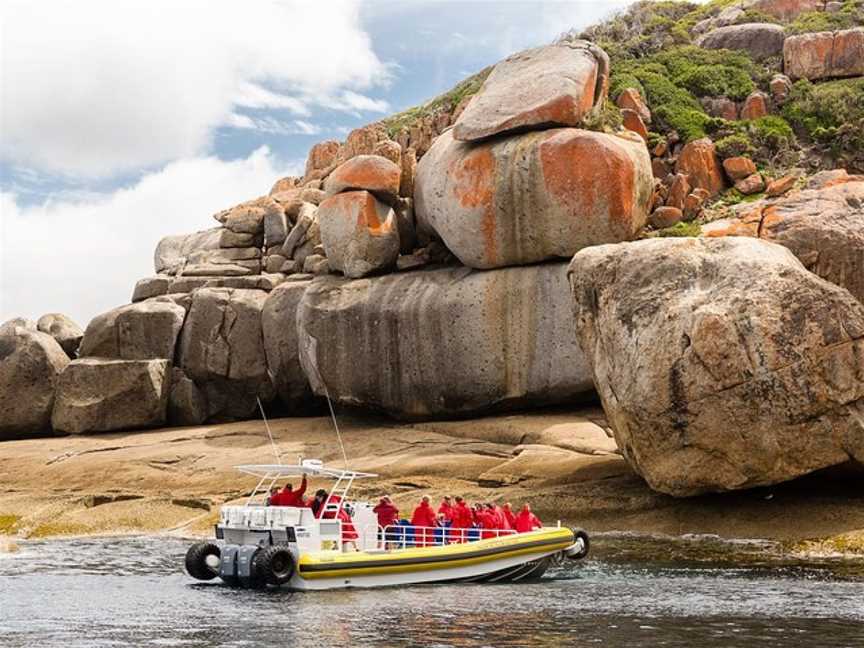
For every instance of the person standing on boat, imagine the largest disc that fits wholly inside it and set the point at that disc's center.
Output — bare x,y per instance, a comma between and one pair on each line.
462,518
289,497
509,515
349,533
388,515
500,518
526,521
273,498
424,516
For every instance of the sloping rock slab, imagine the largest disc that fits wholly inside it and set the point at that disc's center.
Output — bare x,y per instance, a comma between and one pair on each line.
443,342
532,197
824,55
556,85
96,395
722,364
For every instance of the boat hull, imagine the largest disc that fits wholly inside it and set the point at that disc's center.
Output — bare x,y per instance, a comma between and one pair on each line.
505,559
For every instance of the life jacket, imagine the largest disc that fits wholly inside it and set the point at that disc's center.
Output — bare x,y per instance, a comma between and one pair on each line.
526,521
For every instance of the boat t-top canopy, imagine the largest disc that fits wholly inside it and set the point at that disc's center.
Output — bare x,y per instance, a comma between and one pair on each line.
309,467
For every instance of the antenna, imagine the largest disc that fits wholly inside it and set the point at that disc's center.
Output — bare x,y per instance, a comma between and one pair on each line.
269,433
311,355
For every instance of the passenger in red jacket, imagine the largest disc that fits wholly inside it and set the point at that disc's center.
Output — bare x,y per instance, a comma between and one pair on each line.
446,509
503,523
526,521
387,513
509,515
290,497
462,519
424,516
488,520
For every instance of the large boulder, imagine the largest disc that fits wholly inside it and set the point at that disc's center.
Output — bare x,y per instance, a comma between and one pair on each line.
823,227
785,10
359,233
97,395
698,160
531,197
171,252
248,217
30,362
555,85
141,331
824,55
63,329
760,40
9,326
722,363
222,350
443,342
321,156
370,172
279,326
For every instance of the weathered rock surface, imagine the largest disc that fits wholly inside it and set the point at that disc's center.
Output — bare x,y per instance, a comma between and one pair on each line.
453,341
321,156
279,326
760,40
824,55
531,197
359,233
823,227
222,350
631,99
141,331
556,85
783,9
722,364
151,287
9,326
248,217
30,362
738,168
755,105
187,404
63,329
96,395
172,251
370,172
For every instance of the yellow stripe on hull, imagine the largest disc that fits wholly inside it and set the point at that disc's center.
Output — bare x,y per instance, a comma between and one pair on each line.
332,565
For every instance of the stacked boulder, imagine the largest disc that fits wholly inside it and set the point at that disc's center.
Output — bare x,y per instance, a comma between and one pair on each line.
515,186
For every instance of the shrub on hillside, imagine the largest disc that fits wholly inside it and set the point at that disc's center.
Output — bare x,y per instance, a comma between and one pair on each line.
850,15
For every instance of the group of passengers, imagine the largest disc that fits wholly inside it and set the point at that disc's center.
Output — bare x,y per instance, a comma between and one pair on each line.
452,522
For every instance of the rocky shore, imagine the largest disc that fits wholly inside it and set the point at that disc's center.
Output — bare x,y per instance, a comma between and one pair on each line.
562,461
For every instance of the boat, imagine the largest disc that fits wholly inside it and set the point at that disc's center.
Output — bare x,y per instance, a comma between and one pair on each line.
258,546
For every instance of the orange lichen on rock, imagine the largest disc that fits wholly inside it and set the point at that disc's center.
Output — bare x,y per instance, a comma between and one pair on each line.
369,172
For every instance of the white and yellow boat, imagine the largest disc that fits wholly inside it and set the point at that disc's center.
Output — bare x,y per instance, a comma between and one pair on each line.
288,546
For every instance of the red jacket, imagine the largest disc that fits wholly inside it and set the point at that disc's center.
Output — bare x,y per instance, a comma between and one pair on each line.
510,517
424,515
293,497
463,518
387,514
501,519
447,510
526,521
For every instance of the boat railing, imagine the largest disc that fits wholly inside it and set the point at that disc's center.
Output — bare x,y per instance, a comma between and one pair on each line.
403,536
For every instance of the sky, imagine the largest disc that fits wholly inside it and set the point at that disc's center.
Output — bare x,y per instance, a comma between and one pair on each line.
123,121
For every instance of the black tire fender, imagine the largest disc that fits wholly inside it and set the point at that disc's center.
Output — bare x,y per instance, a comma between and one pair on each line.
196,560
274,565
577,552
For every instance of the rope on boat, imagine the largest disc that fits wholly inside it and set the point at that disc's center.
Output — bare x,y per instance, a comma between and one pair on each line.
269,433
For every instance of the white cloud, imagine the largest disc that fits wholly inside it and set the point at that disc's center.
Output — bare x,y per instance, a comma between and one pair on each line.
84,257
269,124
100,87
